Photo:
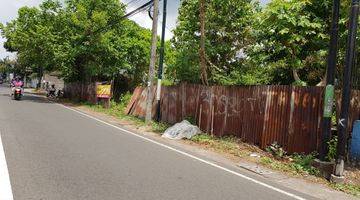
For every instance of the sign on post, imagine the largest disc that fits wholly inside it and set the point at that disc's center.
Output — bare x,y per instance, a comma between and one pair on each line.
103,91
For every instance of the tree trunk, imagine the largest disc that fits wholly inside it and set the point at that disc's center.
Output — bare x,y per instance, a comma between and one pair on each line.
323,81
40,75
202,54
296,75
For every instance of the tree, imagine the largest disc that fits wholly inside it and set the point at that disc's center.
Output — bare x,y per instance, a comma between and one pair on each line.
85,40
92,47
227,29
292,40
35,36
8,65
135,42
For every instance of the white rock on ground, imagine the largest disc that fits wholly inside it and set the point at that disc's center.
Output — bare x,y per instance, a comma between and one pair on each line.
181,130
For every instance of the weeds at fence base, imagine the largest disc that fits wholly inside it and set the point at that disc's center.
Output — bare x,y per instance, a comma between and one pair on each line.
298,165
117,111
347,188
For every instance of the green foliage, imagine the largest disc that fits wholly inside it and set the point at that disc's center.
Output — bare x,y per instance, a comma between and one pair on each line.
117,109
284,43
303,163
203,138
228,28
191,119
300,164
83,39
300,83
292,38
332,144
159,127
8,65
348,188
276,150
227,144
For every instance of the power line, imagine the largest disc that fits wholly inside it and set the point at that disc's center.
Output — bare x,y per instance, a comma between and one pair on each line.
132,2
140,9
113,23
169,29
134,12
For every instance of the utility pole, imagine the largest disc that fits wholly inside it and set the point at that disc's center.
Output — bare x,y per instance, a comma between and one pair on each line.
161,62
330,79
148,117
202,54
346,94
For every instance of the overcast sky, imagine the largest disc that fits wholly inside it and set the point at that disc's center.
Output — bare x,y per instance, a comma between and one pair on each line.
8,11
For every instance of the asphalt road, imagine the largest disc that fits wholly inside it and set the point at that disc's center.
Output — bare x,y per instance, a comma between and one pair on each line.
54,153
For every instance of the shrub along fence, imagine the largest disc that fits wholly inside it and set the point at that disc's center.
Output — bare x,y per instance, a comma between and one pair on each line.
260,115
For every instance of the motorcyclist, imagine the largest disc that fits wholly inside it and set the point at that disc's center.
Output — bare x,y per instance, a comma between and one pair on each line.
52,91
16,83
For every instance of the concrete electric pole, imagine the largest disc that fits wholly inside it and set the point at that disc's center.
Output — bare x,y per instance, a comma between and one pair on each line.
148,117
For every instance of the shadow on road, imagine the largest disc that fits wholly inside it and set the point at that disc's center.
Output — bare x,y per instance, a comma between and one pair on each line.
30,98
36,99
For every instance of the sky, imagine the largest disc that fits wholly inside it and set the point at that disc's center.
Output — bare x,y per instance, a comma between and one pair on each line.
8,12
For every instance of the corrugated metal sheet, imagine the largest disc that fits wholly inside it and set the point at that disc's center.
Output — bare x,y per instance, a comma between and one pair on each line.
259,115
81,92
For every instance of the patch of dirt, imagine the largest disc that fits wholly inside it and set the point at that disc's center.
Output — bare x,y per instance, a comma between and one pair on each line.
352,175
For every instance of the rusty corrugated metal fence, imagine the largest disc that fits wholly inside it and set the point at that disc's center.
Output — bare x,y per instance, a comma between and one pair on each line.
258,115
81,91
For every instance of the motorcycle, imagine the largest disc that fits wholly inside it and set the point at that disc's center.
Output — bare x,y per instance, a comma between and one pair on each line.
54,95
17,93
51,94
60,94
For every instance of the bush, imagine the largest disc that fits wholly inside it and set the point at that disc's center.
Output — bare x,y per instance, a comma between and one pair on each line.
303,163
332,149
191,119
276,150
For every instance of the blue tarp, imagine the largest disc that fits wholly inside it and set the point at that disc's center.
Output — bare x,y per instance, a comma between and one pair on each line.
355,142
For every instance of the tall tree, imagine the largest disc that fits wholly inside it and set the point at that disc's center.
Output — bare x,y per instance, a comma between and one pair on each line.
85,40
292,40
227,30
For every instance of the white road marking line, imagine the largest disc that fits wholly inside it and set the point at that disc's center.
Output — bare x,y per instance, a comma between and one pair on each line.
189,155
5,186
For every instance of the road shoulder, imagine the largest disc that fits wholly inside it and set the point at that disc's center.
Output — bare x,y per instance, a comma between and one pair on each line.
300,185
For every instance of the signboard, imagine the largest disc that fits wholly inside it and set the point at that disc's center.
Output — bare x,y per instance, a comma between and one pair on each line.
103,91
329,101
